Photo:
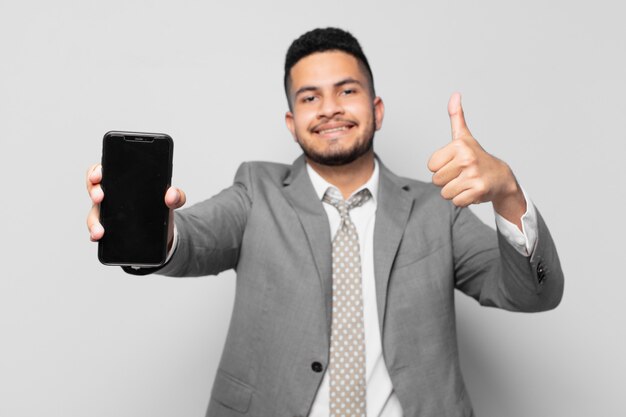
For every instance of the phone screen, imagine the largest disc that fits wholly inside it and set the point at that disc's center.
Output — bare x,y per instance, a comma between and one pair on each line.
136,173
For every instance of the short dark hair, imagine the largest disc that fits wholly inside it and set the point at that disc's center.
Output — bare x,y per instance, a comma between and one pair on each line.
321,40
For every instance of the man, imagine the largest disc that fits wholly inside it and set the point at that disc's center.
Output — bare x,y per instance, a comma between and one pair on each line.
343,266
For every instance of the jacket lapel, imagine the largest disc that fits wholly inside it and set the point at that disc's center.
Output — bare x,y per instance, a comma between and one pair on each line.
300,193
394,207
392,213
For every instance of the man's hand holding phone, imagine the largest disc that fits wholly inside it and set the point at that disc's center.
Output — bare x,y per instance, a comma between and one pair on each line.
174,198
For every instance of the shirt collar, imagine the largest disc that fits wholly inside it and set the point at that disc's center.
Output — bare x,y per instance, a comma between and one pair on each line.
321,185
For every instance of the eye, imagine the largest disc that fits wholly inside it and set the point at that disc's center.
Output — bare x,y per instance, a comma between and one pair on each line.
307,99
348,91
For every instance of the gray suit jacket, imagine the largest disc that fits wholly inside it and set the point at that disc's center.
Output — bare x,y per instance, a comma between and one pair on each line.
272,229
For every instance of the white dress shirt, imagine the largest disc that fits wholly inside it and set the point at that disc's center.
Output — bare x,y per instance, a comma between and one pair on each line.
380,400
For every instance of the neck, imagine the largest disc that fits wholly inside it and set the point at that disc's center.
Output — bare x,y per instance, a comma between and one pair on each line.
349,177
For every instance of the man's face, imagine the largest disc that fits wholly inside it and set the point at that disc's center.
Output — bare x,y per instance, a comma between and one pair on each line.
334,115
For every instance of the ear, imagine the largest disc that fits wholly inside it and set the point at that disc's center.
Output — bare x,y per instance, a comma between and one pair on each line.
379,112
290,124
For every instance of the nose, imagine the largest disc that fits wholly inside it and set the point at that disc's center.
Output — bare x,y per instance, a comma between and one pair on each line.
329,108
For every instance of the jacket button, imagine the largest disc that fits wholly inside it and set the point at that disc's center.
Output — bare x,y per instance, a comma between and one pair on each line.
541,272
317,367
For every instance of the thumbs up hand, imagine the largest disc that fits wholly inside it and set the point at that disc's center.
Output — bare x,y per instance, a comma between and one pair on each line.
470,175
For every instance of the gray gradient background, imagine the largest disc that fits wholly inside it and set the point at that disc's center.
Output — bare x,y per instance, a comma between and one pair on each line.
543,85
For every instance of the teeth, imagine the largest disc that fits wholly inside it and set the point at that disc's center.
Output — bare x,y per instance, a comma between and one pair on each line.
335,129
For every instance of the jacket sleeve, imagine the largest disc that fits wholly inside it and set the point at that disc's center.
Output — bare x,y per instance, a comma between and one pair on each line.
490,270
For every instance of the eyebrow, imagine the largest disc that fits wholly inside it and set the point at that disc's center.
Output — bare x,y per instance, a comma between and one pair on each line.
341,83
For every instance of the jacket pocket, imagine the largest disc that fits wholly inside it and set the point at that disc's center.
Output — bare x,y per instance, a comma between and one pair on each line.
232,393
406,258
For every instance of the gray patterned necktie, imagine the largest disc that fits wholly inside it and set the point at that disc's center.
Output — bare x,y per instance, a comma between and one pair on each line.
347,338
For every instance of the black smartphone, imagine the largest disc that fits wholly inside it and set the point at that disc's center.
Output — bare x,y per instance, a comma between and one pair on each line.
136,173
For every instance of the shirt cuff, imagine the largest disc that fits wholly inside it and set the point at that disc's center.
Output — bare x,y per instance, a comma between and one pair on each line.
174,245
523,241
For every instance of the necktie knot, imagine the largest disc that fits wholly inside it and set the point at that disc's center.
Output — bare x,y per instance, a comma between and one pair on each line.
333,197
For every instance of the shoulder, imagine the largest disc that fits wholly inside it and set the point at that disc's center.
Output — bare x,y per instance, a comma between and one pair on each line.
262,171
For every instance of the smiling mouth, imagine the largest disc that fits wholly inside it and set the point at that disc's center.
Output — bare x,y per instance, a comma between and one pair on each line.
330,129
333,130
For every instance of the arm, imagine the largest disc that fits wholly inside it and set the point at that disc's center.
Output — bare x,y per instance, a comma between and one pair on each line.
210,232
489,269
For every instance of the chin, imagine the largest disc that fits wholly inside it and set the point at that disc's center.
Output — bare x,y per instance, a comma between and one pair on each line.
338,157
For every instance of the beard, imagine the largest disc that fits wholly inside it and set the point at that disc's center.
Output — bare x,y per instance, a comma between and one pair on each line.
343,156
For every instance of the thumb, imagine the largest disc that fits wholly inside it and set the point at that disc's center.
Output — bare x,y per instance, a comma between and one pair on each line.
457,118
175,198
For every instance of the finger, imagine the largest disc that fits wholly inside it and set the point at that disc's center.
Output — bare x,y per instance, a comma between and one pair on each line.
447,173
455,187
96,194
442,157
94,175
457,118
175,198
96,231
466,198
